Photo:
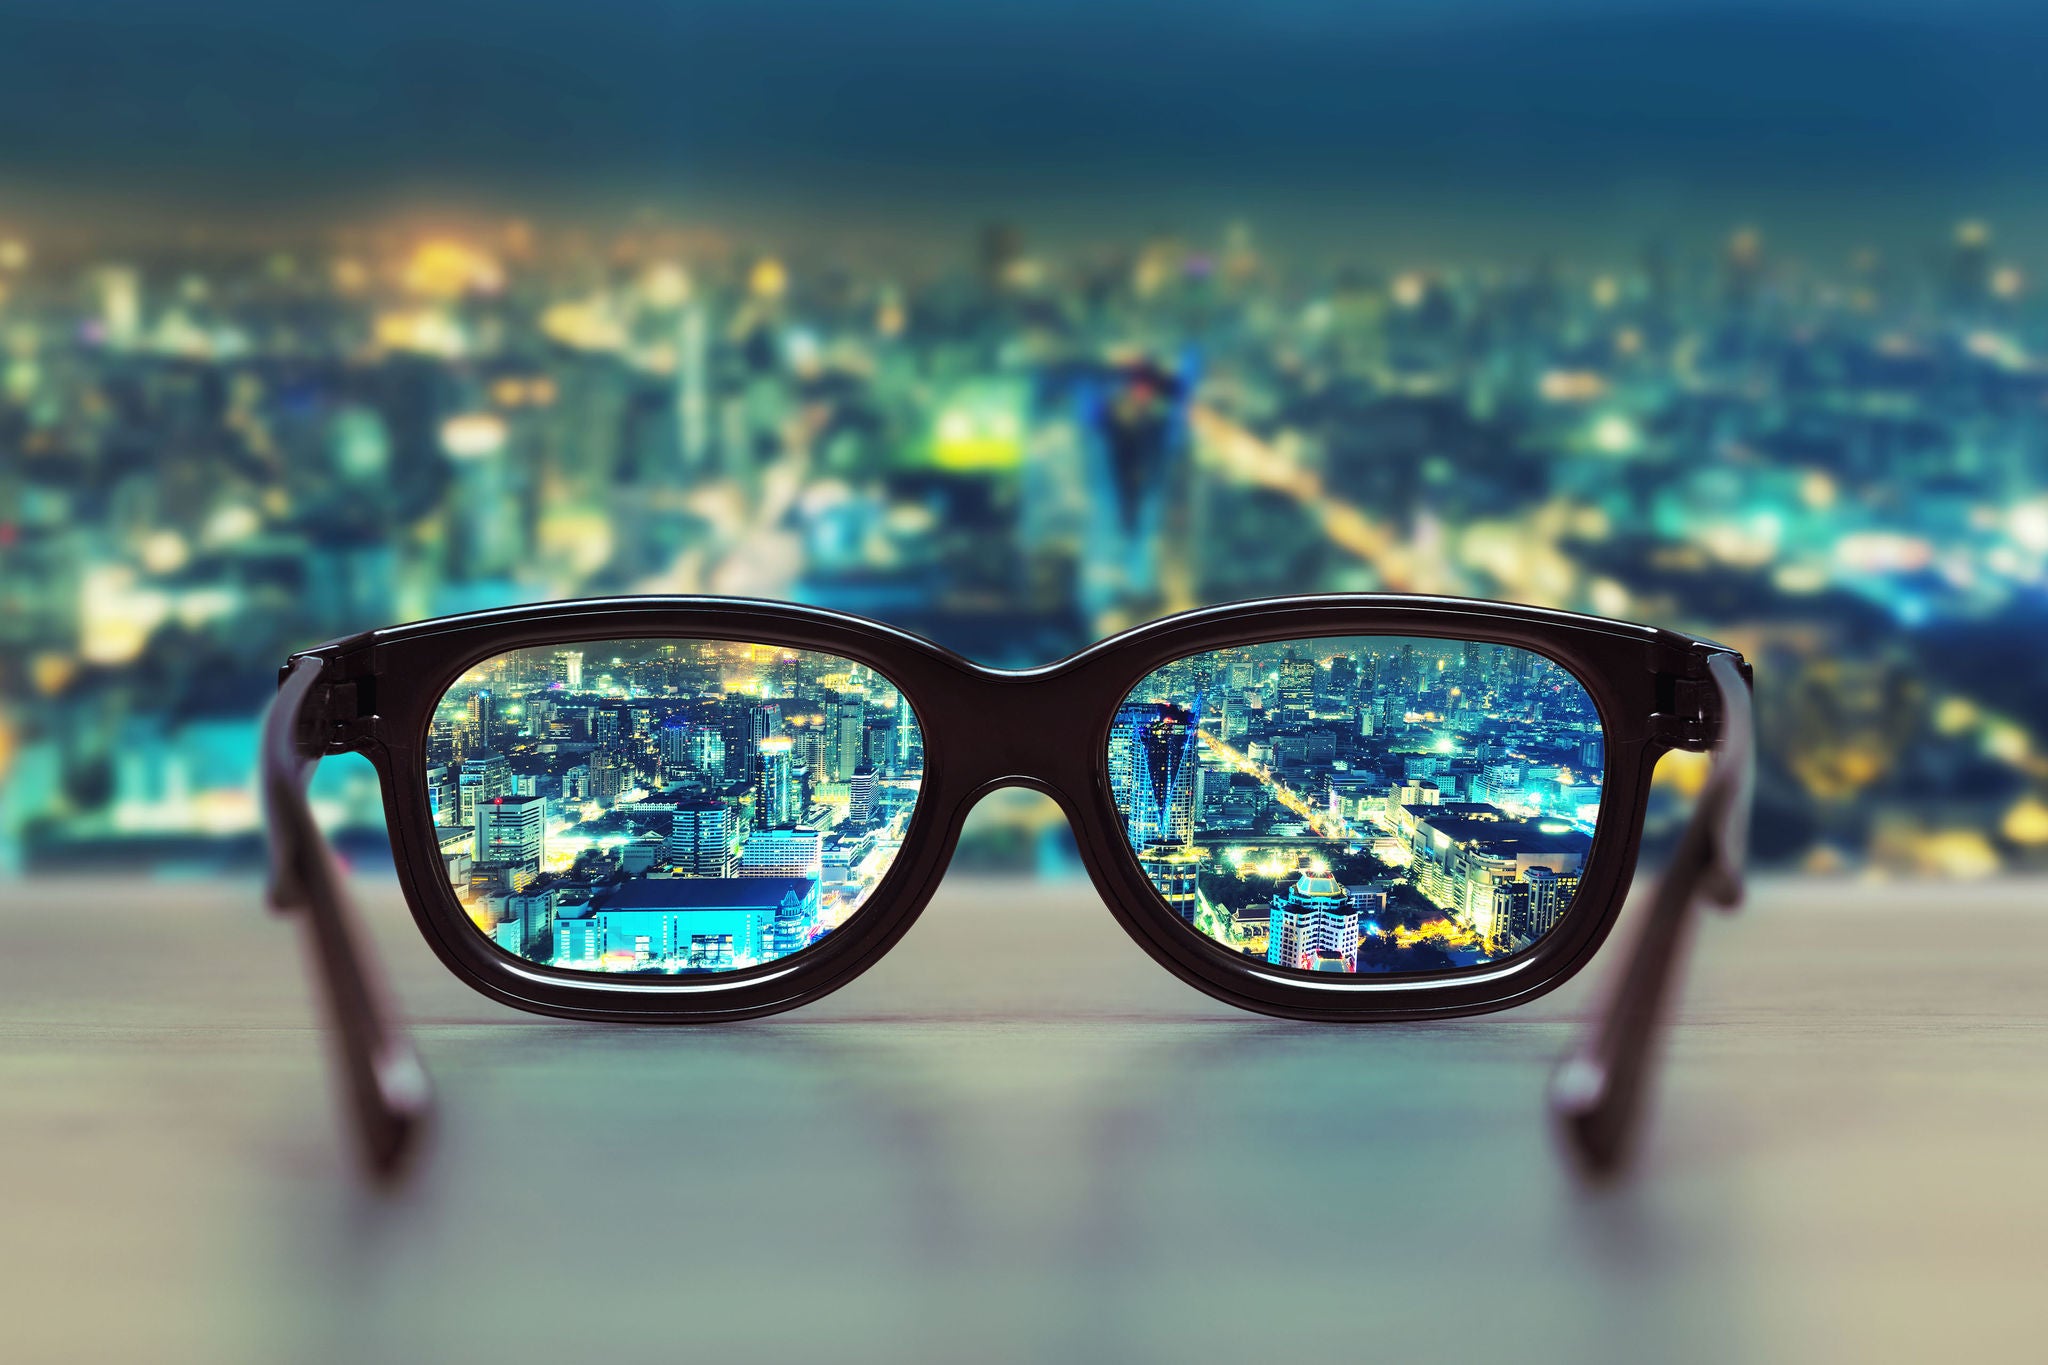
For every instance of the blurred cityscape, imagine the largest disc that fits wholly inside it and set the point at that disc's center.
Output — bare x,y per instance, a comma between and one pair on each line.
212,453
1364,804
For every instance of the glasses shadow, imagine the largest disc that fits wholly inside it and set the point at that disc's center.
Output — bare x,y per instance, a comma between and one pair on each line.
1096,1188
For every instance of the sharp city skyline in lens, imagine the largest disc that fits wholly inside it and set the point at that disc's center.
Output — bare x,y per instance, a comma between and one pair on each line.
669,805
1363,804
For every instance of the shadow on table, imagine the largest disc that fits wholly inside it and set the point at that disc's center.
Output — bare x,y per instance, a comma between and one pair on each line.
1089,1189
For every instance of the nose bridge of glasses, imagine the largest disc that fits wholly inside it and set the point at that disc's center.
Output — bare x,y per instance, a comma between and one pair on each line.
1003,729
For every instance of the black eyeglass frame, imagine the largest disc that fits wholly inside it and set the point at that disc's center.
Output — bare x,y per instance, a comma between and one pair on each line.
1043,728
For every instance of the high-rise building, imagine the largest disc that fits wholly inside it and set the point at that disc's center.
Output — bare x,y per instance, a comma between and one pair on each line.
707,751
485,776
700,843
442,798
778,793
860,796
783,853
512,830
1174,875
1154,768
1509,917
568,669
677,757
846,721
1550,895
528,923
608,730
1297,688
1313,917
881,747
607,778
483,720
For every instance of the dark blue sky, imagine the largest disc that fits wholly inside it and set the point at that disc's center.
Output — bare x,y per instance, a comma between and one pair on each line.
1489,122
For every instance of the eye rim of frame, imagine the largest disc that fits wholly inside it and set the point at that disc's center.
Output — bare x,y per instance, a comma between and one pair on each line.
761,970
1420,977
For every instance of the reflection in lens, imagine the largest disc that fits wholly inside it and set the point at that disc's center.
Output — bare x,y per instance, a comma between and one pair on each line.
668,806
1362,804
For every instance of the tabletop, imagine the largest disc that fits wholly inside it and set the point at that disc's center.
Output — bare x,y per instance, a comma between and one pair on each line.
1018,1139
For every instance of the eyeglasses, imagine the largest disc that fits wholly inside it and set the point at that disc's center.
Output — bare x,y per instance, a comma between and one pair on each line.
686,809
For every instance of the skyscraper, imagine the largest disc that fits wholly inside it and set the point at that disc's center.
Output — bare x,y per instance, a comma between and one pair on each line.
846,720
707,751
1550,895
700,841
677,757
1297,688
483,720
512,830
860,802
607,780
485,776
1313,917
1173,871
1154,766
778,794
569,669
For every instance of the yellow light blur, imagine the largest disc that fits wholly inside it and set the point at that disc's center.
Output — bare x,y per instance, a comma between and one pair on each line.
1571,386
164,552
768,279
446,268
2027,822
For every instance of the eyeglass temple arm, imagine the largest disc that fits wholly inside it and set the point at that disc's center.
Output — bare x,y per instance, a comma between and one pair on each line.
1597,1093
388,1094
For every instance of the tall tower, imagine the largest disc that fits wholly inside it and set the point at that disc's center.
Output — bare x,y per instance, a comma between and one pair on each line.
1313,927
778,794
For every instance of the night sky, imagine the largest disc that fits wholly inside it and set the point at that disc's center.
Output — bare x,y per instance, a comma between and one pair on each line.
1493,124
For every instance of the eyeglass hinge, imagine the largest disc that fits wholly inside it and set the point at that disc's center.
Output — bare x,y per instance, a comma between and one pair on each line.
1693,721
338,716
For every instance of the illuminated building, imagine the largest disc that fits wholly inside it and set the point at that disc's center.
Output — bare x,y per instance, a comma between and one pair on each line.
1313,917
707,751
677,923
846,737
483,720
485,777
1550,896
1155,773
1174,875
1459,850
528,925
607,779
783,852
700,842
512,830
443,798
1508,908
778,791
860,797
678,755
1297,687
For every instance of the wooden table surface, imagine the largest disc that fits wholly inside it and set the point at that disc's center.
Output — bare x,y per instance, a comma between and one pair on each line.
1018,1140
